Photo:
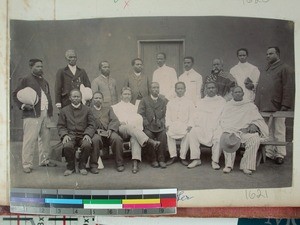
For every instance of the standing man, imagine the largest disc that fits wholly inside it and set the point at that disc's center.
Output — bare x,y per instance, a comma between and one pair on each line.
76,127
138,82
245,74
224,80
36,117
166,77
179,123
153,110
275,92
69,78
192,80
106,85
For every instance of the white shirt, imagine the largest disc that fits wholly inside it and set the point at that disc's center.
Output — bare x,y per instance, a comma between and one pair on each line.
240,72
167,78
72,68
193,83
44,101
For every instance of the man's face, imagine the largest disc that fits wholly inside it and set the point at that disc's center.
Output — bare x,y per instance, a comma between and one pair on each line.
98,99
155,89
272,56
37,69
242,56
105,69
180,90
216,66
211,90
126,96
188,64
237,94
71,58
138,66
160,59
75,97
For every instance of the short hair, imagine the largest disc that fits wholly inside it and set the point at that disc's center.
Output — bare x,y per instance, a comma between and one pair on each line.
98,92
34,61
154,82
276,49
180,82
236,88
221,60
136,59
210,82
162,53
189,57
126,89
242,49
75,89
69,51
100,63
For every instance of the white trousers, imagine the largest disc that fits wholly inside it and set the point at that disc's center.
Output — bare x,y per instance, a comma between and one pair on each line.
184,146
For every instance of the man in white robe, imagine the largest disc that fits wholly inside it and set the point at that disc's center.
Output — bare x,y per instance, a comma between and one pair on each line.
206,119
242,121
246,74
179,123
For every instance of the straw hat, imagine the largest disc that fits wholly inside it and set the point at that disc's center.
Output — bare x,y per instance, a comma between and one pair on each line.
229,142
28,96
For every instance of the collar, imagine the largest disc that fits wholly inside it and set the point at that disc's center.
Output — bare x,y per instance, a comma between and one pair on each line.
76,106
40,77
273,65
97,108
73,67
137,74
154,98
105,76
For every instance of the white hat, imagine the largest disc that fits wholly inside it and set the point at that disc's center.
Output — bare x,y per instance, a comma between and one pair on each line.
86,93
230,142
28,96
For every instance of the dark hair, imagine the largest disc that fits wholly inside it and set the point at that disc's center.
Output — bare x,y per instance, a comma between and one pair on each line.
136,59
236,88
75,89
180,82
34,61
189,57
211,82
100,63
162,53
98,92
276,49
126,89
242,49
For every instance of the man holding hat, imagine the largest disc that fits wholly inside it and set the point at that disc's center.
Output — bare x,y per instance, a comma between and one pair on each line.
241,122
33,97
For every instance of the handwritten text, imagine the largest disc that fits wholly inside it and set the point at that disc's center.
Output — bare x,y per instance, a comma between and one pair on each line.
183,197
256,194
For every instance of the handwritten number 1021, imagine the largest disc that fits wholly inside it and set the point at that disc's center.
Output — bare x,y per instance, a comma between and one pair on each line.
253,1
256,194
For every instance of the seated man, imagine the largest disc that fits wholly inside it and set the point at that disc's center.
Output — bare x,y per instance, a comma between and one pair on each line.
131,127
76,128
241,122
153,110
179,123
107,125
206,119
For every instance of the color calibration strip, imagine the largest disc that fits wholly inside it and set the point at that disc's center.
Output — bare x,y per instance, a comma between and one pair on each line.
93,202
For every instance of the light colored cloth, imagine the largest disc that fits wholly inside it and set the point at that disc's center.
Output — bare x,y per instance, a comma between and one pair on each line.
167,78
178,119
193,83
44,101
241,72
72,68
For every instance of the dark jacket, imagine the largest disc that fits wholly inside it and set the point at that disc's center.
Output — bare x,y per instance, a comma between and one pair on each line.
37,84
76,121
66,81
275,88
153,113
106,119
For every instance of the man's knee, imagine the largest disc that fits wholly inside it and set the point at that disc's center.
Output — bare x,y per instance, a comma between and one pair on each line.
97,141
86,145
114,137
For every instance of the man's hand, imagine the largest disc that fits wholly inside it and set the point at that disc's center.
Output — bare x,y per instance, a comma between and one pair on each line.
87,138
27,107
108,133
253,129
66,139
188,129
58,105
284,108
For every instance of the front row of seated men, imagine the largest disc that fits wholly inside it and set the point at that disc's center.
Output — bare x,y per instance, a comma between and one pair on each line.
213,122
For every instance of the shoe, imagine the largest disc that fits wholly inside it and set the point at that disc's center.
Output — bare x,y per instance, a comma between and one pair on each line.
27,170
194,163
227,170
68,172
246,171
83,171
153,143
49,164
135,167
154,164
215,165
94,170
171,161
120,168
162,165
279,160
184,162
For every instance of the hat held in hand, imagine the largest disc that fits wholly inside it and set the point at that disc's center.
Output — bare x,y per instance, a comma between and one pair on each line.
86,92
28,96
229,142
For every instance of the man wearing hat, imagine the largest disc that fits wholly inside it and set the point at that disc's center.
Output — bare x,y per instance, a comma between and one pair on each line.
241,122
33,97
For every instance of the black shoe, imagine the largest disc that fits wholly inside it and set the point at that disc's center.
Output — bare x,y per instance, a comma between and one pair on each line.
171,161
154,164
184,162
135,167
94,170
49,164
120,168
279,160
162,165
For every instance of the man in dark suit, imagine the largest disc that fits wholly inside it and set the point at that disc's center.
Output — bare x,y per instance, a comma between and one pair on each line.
153,110
69,78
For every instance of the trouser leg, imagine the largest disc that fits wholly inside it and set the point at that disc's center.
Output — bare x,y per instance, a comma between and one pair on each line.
116,143
216,151
136,149
229,159
69,151
44,142
280,135
97,144
150,151
172,146
86,148
184,146
194,144
162,137
139,135
251,146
